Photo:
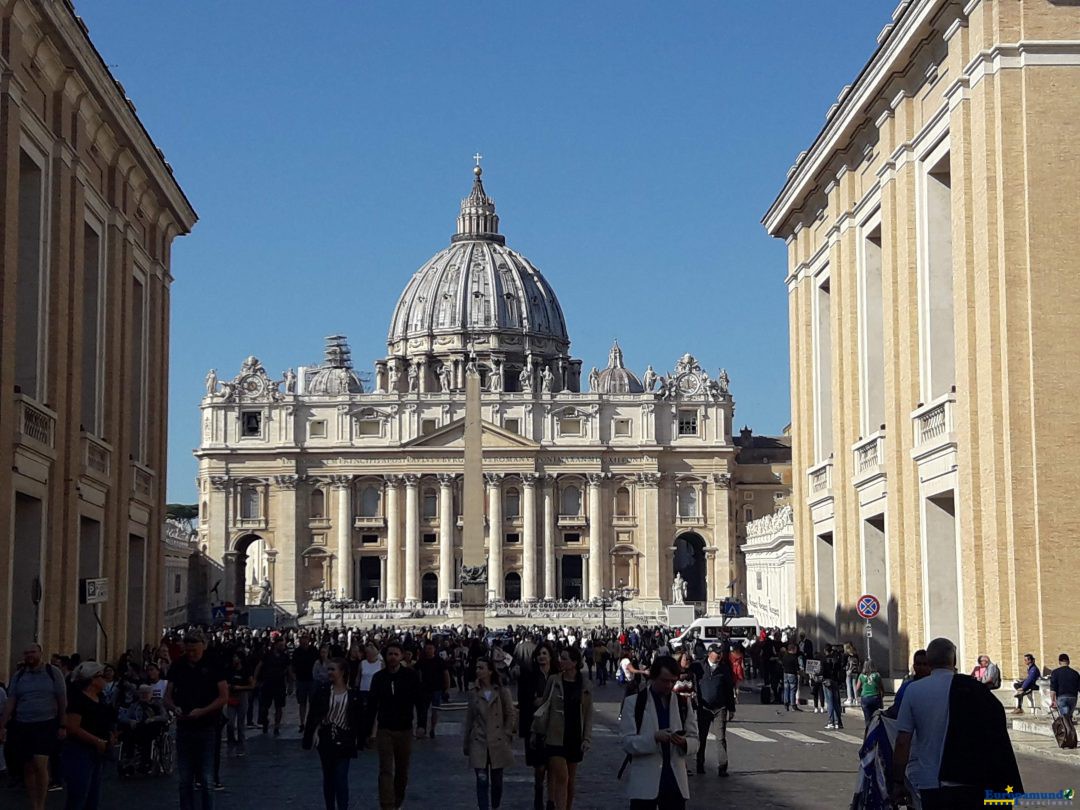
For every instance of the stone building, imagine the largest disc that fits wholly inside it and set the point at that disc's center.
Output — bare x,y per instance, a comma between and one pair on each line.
933,241
88,211
620,481
178,545
769,552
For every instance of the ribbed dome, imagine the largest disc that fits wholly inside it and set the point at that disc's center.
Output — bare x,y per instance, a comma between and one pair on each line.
616,378
335,376
477,287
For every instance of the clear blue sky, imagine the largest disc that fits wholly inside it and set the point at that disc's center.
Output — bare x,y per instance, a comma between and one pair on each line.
631,149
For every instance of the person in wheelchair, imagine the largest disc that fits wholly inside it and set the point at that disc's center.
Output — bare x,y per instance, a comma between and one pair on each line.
144,720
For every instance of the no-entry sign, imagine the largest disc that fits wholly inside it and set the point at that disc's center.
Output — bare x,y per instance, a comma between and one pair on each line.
868,606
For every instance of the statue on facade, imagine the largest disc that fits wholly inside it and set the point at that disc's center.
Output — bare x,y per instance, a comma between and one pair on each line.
525,378
393,381
495,380
594,380
211,382
725,381
290,381
678,590
414,378
649,380
266,593
444,378
546,380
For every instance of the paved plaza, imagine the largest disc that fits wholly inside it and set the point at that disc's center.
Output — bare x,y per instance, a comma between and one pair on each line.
778,760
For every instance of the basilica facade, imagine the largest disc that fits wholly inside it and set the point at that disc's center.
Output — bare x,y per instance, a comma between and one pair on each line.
594,480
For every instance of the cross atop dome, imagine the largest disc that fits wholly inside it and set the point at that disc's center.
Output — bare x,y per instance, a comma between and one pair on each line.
478,220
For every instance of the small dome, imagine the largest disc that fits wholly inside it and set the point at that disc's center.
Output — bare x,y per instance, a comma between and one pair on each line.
616,378
476,287
335,377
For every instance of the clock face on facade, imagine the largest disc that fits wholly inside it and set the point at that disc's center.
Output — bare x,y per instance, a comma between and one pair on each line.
689,384
252,385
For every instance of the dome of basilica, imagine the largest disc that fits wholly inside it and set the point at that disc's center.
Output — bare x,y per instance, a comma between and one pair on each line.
616,378
478,295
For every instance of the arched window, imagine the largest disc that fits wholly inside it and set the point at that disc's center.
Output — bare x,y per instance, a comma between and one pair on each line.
429,587
250,502
431,504
318,503
369,501
688,500
571,501
513,502
749,514
622,502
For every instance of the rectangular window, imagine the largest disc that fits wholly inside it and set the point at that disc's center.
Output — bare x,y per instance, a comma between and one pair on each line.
570,426
428,426
370,427
621,428
871,326
572,537
29,287
369,539
748,496
749,514
176,584
138,367
513,425
251,424
823,370
936,280
317,429
688,423
513,537
91,314
430,538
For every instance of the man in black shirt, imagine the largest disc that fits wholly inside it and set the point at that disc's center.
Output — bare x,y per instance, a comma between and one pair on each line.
197,691
435,680
396,695
1064,686
715,702
789,662
272,675
302,665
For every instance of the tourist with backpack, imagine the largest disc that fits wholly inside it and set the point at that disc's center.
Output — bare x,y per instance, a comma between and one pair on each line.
659,733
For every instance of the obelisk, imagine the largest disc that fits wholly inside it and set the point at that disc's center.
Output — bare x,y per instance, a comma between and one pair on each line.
473,556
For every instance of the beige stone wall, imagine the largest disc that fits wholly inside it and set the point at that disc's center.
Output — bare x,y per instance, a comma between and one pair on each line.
1001,81
58,103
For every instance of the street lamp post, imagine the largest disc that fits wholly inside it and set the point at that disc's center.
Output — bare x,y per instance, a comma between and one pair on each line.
622,596
322,596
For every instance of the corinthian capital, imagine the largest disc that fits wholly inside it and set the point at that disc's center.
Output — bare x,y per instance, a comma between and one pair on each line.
286,481
446,479
494,479
529,479
649,479
341,481
722,480
595,479
411,480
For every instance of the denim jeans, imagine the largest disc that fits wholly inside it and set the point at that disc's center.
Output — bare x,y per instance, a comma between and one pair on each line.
82,775
235,725
791,689
852,686
335,779
1066,705
486,777
870,704
195,759
832,703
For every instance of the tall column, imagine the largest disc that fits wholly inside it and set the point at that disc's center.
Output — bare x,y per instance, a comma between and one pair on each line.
495,534
382,577
549,537
446,535
412,540
587,591
528,557
392,587
288,590
343,486
596,527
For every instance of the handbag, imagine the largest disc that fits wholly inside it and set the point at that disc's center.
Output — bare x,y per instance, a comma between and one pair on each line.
539,727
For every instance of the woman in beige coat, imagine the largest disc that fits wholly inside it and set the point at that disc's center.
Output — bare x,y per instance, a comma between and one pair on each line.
489,731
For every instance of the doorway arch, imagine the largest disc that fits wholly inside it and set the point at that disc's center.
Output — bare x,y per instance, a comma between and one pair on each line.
512,587
429,587
250,564
689,560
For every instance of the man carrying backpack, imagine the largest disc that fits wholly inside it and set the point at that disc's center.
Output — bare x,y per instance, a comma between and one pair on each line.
658,732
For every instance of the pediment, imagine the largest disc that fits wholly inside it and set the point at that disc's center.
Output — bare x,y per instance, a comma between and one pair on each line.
453,435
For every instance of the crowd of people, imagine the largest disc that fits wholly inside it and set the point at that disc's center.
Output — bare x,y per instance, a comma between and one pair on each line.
384,688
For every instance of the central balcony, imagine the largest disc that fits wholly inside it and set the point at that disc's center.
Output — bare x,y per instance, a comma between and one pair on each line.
572,521
369,522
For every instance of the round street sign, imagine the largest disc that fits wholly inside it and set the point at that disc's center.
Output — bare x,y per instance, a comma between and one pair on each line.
868,606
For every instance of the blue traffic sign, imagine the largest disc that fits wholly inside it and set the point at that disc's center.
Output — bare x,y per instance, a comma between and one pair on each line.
731,609
868,606
217,613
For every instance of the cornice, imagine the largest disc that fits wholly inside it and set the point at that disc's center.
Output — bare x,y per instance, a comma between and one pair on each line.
871,80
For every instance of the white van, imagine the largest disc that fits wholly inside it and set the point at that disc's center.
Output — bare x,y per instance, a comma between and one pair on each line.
716,629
